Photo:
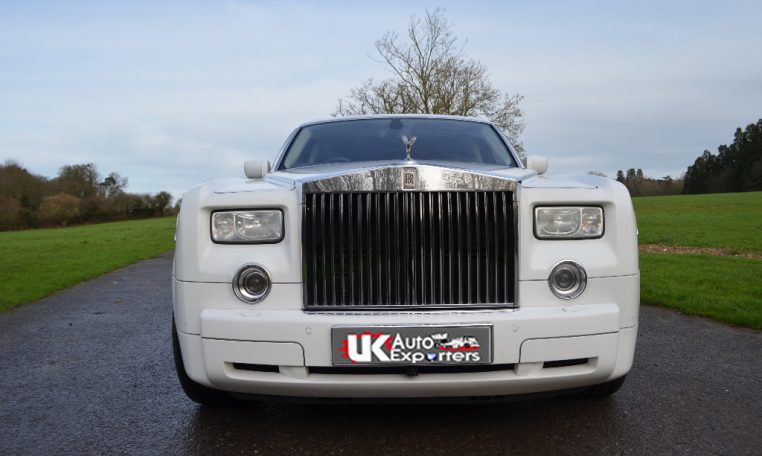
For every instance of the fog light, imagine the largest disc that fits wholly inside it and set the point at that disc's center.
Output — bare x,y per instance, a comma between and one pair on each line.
567,280
251,283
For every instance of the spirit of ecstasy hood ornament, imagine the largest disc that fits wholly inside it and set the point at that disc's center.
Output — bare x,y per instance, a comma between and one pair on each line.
408,142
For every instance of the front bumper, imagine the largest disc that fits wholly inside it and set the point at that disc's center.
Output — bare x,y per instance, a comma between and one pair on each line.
293,340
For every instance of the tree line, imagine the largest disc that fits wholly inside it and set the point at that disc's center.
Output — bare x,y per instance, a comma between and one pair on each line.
735,168
78,194
640,185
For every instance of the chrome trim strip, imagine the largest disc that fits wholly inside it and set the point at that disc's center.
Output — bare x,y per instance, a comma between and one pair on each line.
516,247
391,178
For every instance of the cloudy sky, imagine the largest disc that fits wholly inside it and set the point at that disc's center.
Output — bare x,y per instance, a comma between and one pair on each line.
170,93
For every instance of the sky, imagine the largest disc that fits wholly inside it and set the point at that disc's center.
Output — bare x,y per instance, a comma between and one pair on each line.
173,93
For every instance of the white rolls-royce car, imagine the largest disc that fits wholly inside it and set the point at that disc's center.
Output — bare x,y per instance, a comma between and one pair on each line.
404,256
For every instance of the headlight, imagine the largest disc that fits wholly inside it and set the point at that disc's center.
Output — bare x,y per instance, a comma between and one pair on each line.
568,222
247,227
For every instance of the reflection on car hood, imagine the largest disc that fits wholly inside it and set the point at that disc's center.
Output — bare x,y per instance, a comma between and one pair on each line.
287,179
315,172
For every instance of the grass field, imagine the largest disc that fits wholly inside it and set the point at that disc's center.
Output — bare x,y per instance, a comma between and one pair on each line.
727,220
36,263
728,289
725,288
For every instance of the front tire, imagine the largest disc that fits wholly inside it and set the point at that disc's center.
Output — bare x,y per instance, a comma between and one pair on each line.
196,392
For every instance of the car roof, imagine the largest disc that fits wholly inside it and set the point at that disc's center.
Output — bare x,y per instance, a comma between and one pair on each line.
394,116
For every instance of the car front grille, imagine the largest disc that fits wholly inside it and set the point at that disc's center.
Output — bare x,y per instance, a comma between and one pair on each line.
391,250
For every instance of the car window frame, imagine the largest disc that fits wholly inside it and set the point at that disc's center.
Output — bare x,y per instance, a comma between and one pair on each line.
280,159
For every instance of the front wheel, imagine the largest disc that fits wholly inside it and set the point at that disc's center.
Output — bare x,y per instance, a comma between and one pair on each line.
601,391
196,392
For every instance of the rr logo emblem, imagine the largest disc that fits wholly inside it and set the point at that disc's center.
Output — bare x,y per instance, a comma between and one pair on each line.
410,177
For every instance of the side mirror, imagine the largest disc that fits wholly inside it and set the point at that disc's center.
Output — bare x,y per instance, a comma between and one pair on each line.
256,169
537,163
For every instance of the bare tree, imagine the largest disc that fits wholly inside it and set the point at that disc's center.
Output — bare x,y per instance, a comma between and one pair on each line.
431,74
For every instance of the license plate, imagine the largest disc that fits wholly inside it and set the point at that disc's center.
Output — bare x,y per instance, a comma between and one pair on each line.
411,345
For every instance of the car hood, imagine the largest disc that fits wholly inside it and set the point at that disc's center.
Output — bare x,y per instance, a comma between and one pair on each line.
289,179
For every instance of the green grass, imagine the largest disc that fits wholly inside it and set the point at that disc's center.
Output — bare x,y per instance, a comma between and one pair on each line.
36,263
725,220
724,288
728,289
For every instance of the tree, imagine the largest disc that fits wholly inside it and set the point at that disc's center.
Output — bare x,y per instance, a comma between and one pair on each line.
78,180
9,213
161,202
58,209
638,184
432,75
736,168
112,185
631,177
17,182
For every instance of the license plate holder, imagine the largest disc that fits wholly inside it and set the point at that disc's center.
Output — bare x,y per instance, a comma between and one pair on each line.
411,345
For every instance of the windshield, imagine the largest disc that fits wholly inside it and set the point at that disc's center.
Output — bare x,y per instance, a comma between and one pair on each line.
382,140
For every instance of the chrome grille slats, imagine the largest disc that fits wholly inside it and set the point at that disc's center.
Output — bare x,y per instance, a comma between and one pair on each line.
408,249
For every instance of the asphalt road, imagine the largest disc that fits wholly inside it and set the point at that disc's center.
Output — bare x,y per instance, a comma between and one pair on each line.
89,371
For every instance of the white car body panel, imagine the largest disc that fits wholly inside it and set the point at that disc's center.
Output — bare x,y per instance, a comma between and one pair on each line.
217,330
